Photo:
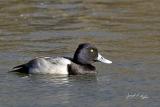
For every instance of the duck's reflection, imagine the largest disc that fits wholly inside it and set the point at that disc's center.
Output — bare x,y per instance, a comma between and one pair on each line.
61,89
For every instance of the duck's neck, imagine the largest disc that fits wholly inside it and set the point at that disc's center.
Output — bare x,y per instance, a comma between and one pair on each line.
81,62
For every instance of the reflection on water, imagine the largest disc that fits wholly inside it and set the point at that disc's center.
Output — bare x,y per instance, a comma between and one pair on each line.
125,31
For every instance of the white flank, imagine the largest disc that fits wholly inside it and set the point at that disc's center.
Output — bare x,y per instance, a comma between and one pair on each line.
49,65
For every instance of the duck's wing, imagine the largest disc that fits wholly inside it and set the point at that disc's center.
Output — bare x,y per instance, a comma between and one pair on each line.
44,65
58,60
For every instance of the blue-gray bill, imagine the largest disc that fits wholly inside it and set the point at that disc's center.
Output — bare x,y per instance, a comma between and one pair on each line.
100,58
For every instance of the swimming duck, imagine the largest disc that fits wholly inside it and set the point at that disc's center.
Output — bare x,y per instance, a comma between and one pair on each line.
81,63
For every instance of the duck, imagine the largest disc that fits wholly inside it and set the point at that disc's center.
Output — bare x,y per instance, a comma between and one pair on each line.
81,63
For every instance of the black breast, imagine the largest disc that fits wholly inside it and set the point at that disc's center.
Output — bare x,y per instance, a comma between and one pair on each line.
75,69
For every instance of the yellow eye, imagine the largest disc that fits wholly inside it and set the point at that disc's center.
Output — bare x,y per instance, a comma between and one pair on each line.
91,50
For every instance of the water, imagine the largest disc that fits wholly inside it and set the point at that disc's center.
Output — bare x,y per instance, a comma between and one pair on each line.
125,31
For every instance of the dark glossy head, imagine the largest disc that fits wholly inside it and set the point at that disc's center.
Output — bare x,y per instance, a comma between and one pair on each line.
87,54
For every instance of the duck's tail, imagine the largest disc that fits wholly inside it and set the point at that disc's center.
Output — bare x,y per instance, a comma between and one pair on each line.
20,68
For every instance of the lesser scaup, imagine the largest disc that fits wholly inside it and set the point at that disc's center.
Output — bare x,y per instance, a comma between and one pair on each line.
81,63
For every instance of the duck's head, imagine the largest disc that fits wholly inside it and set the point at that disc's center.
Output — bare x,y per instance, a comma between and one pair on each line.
87,54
